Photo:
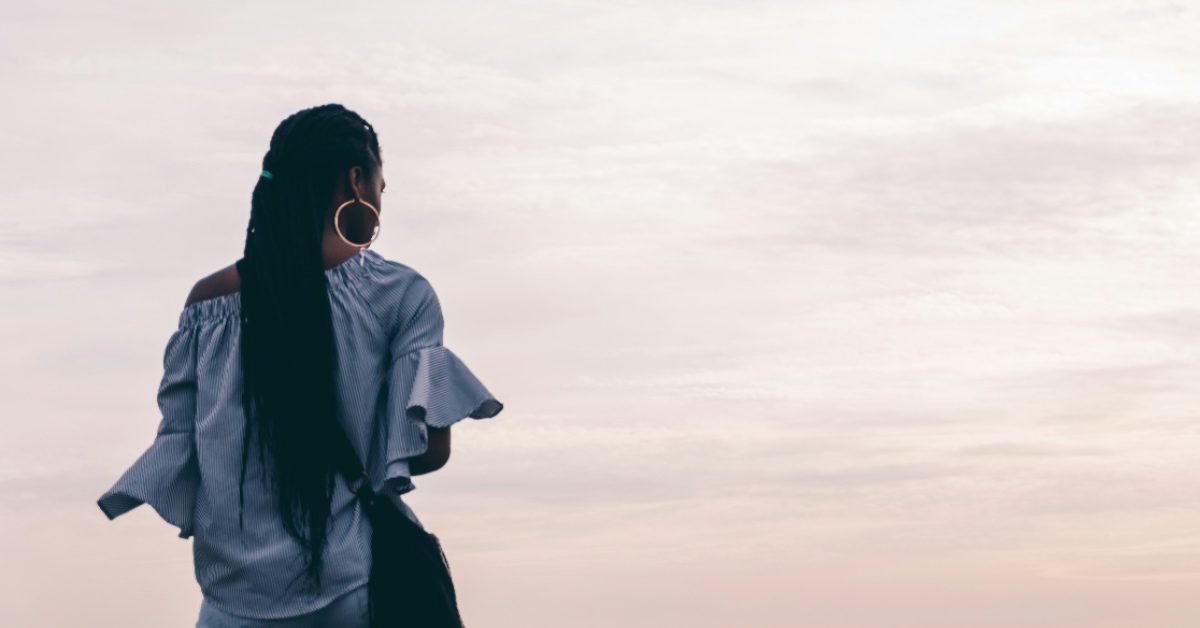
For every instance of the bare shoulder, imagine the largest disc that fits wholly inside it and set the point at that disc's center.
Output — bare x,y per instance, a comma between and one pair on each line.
223,282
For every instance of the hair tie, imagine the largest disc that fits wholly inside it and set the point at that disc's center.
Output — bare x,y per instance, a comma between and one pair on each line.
267,174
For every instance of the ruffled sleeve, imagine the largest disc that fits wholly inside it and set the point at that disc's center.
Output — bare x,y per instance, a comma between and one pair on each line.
167,475
429,385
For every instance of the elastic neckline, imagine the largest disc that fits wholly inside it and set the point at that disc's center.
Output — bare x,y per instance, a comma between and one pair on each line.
229,305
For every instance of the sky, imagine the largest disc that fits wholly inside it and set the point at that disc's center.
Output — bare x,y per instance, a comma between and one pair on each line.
822,314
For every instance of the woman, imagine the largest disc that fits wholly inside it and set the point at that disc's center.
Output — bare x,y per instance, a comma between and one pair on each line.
308,334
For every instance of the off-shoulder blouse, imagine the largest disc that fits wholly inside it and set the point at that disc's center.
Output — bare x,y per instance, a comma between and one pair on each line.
395,378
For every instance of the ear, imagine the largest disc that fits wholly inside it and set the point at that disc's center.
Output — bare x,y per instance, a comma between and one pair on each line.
357,180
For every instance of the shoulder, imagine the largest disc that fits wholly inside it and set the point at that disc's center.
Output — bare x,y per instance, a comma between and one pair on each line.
220,283
405,295
400,285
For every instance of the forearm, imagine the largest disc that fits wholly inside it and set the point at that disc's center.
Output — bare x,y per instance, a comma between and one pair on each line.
435,456
423,464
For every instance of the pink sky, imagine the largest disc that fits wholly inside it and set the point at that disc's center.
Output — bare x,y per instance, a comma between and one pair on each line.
805,314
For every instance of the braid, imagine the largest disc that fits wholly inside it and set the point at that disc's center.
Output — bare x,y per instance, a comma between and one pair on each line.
289,358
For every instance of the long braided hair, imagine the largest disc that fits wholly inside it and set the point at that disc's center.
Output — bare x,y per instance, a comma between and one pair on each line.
287,344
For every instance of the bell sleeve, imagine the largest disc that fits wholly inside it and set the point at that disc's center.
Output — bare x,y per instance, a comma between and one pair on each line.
429,385
167,475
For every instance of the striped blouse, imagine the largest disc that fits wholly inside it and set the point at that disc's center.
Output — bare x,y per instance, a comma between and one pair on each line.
395,378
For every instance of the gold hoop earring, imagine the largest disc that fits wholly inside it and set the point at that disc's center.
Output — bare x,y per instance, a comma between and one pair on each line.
338,228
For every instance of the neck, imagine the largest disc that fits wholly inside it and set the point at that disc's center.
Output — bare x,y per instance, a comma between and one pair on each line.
335,251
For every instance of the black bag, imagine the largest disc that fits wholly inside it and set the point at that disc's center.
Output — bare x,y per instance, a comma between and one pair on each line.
410,584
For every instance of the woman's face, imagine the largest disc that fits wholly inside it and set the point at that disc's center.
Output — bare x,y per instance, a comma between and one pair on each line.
372,191
377,186
356,182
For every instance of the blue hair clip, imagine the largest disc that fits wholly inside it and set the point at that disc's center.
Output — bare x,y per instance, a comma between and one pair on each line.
267,174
